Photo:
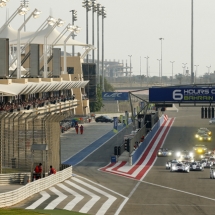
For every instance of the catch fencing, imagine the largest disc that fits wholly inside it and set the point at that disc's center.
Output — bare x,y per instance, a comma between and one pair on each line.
19,131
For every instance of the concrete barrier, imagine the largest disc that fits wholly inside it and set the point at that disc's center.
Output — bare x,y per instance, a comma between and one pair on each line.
138,152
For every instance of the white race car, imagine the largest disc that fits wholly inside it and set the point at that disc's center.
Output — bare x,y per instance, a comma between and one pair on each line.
185,156
162,152
170,163
180,167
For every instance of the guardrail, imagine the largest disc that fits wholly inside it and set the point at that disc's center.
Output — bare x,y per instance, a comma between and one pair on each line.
18,195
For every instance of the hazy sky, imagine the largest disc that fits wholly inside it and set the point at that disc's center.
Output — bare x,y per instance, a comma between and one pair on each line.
134,28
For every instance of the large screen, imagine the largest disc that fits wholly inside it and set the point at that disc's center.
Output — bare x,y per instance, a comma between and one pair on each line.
182,95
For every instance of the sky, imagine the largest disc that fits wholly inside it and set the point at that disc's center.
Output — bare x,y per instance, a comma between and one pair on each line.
134,28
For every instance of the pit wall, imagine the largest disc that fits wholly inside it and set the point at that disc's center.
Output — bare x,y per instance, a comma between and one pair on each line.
135,155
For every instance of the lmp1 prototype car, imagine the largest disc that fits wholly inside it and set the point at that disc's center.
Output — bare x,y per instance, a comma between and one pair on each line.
204,137
162,152
206,163
212,173
170,163
206,130
200,149
196,165
185,156
180,167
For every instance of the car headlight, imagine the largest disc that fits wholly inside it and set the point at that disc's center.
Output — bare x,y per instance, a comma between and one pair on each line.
201,156
209,138
199,150
209,133
191,154
178,154
169,153
167,164
196,135
200,138
159,153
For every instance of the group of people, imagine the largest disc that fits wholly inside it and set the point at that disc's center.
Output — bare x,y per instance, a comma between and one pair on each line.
17,105
38,171
77,128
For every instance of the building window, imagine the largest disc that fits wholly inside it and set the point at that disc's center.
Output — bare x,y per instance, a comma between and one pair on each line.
70,70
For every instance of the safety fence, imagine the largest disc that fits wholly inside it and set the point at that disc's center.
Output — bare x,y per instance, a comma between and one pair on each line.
13,197
19,132
135,155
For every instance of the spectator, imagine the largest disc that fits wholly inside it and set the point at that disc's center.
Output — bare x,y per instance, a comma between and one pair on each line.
38,171
52,170
81,129
76,128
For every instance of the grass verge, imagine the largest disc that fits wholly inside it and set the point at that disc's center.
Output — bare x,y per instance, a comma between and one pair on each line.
37,212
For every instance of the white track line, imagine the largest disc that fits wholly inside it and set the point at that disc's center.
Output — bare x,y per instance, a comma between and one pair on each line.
52,205
181,191
90,203
75,201
44,197
101,186
107,204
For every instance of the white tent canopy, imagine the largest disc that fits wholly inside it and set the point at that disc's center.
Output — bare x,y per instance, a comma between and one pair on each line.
11,33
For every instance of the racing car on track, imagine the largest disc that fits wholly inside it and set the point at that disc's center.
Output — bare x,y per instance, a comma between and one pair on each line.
170,163
203,162
185,156
196,165
212,173
204,137
162,152
200,149
180,167
206,130
200,132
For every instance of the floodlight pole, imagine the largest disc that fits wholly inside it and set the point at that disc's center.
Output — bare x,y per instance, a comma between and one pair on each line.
98,70
18,45
94,9
191,41
11,18
161,39
172,70
103,75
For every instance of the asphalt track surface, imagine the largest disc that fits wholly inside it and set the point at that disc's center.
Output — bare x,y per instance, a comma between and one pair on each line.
159,192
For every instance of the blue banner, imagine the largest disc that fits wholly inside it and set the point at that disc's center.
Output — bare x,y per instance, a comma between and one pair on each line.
115,124
182,95
114,96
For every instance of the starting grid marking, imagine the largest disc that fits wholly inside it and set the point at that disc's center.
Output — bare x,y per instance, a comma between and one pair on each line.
139,170
79,194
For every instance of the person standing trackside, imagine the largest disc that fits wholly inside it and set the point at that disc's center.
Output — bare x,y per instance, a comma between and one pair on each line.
38,171
76,128
81,129
52,170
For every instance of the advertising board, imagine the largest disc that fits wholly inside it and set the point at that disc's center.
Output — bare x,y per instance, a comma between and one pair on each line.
114,96
182,95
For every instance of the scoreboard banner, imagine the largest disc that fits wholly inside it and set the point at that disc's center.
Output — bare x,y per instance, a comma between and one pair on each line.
182,95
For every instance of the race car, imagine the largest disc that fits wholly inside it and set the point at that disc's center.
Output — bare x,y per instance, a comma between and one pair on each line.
180,167
212,160
212,173
205,156
185,156
208,164
170,163
162,152
200,149
200,132
196,165
204,137
206,130
203,162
